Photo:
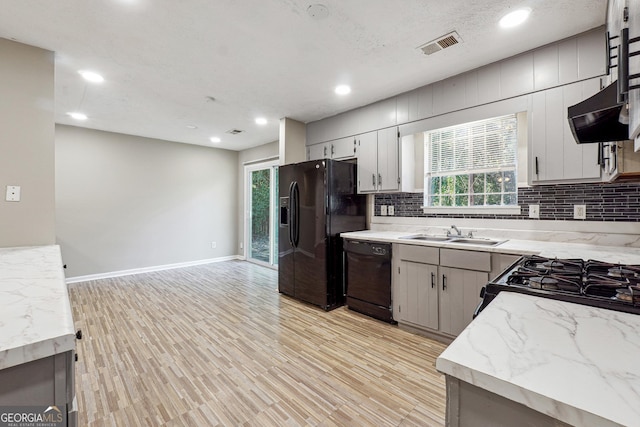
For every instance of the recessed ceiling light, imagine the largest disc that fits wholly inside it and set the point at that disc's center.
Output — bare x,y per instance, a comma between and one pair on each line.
91,76
261,121
192,127
515,18
215,139
343,89
78,116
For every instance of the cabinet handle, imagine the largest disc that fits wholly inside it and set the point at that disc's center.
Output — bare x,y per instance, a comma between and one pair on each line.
444,282
537,169
332,150
325,151
380,180
373,179
433,281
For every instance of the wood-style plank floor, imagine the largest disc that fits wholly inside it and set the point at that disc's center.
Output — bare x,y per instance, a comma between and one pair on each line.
218,345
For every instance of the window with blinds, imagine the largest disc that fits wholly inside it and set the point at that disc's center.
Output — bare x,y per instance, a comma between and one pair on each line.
472,165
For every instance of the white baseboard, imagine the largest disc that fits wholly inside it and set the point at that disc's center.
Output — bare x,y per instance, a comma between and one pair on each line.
111,274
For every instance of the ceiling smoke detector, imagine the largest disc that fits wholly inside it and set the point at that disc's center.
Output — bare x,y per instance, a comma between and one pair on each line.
233,131
440,43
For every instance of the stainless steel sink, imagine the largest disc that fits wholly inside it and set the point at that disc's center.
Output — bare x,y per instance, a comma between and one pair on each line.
476,241
427,238
454,239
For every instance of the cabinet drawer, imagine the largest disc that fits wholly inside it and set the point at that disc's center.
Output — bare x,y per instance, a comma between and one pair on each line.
422,254
467,260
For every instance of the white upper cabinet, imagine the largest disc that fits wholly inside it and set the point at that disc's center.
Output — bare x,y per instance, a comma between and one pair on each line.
339,149
634,69
377,154
555,155
388,179
367,154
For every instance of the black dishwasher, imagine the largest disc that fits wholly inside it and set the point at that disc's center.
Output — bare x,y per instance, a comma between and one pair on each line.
368,278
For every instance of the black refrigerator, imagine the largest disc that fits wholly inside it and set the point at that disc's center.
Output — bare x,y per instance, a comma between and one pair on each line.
318,200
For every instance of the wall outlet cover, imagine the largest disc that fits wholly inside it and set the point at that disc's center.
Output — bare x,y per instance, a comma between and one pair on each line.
13,193
391,210
534,211
579,211
383,210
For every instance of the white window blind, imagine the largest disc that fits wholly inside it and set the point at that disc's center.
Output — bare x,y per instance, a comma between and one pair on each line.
472,164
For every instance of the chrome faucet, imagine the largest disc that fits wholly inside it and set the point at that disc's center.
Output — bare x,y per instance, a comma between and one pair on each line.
449,233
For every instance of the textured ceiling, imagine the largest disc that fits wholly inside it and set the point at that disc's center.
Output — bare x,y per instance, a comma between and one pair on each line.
161,59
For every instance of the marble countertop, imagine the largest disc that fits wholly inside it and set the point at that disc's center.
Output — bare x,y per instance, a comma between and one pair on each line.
576,363
35,313
613,254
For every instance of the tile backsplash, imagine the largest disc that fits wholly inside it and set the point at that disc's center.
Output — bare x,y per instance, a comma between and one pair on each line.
618,202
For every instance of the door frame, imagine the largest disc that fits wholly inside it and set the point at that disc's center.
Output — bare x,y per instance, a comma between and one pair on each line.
248,169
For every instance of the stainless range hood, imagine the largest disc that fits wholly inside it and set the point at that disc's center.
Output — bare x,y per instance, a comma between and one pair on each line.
600,118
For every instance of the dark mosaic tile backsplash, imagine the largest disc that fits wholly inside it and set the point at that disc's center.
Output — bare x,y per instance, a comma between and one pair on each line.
605,202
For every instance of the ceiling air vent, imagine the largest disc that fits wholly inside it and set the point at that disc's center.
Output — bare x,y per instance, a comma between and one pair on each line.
234,131
440,43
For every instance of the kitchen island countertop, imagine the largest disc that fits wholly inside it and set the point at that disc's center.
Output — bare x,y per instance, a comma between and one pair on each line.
612,254
575,363
35,314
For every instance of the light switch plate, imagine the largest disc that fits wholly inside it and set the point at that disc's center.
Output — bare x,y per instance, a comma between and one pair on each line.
383,210
391,210
13,193
534,211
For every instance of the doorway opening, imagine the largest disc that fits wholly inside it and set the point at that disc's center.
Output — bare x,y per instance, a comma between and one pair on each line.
261,228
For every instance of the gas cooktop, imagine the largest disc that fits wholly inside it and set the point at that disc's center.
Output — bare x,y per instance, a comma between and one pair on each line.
594,283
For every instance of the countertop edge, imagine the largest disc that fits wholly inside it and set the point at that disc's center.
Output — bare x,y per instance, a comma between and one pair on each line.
53,340
546,405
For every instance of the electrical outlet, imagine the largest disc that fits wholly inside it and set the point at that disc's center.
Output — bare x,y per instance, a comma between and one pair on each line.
213,245
391,210
579,211
383,210
534,211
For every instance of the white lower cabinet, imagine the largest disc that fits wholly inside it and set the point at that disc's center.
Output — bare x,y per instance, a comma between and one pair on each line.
420,303
438,289
459,297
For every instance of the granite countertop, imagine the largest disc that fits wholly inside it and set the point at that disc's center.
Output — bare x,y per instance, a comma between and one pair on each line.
35,313
550,249
576,363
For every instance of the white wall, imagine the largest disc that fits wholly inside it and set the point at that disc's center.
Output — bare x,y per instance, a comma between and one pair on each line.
127,202
262,152
26,144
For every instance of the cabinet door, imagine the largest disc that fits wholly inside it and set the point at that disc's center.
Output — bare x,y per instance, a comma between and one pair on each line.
343,148
318,151
419,304
555,156
459,297
388,169
367,155
580,160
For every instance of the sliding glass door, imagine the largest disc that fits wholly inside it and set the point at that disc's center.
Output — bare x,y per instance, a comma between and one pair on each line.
261,239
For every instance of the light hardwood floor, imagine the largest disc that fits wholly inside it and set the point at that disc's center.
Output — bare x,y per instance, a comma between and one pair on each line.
217,345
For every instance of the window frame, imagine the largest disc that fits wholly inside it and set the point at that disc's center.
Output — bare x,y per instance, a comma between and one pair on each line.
521,121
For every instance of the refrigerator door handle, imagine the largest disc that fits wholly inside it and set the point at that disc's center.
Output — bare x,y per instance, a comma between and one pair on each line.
296,207
291,212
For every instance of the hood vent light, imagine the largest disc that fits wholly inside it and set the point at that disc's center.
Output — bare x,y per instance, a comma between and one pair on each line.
440,43
234,131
